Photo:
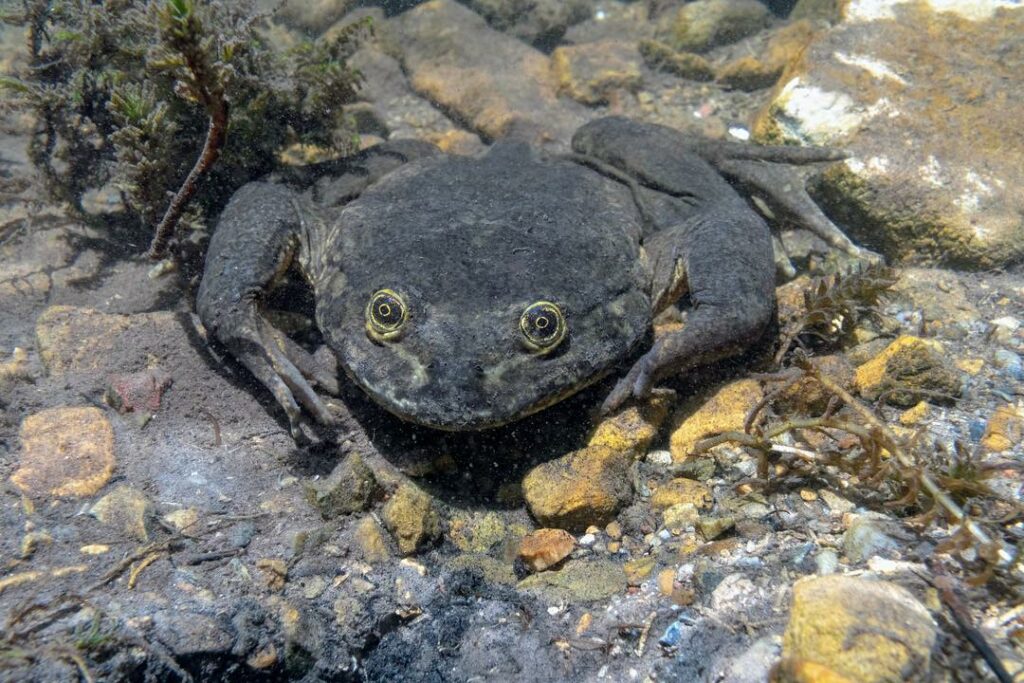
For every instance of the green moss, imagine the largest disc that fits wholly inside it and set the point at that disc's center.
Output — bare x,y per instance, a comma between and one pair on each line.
133,92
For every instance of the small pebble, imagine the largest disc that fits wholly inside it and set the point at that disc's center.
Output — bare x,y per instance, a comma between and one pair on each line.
659,458
587,539
672,635
826,561
1010,363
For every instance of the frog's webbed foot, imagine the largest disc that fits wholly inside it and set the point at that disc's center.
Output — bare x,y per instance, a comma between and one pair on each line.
770,173
281,365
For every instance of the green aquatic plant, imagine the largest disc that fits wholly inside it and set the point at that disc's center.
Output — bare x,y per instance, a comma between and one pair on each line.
833,305
174,103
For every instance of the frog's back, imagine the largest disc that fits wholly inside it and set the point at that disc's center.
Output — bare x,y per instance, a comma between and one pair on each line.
505,226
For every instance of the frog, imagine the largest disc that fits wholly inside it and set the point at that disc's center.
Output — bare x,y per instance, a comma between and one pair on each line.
467,292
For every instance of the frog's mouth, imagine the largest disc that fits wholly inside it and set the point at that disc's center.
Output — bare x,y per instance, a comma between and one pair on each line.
468,414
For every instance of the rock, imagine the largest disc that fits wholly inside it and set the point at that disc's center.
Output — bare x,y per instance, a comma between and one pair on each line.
585,487
1010,363
617,20
864,630
661,57
15,369
541,23
748,74
493,570
477,532
350,487
488,79
866,538
189,634
312,16
880,85
835,502
126,510
138,391
65,452
680,491
184,520
545,548
785,46
412,519
679,517
403,113
713,527
915,415
725,410
639,569
826,562
803,671
577,581
632,429
908,370
1005,429
370,541
703,24
594,73
755,664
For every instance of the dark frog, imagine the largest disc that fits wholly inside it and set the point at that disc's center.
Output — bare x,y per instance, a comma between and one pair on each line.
464,293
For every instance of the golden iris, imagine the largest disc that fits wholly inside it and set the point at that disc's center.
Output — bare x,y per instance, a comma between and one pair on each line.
543,326
386,314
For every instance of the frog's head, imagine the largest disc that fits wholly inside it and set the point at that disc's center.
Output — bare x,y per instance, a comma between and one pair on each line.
462,305
463,367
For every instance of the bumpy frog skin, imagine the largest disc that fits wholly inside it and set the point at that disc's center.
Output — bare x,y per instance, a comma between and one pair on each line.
464,293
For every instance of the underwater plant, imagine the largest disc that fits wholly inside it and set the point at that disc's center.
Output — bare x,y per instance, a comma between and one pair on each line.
175,103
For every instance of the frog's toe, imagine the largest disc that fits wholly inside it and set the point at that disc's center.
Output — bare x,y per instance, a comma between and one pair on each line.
784,192
302,360
637,384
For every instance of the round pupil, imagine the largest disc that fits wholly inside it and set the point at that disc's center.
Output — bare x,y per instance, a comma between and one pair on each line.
389,311
544,324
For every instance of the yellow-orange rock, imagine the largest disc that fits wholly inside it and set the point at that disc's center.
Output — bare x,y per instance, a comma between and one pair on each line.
1005,429
724,411
868,631
545,548
681,491
906,371
585,487
632,428
65,452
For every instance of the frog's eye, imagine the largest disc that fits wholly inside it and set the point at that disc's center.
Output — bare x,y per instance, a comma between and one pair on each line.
543,326
386,315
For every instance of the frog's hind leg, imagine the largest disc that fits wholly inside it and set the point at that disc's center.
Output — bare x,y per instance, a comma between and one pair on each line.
769,172
721,254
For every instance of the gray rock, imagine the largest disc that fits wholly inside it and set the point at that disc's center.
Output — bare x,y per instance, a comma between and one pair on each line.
866,538
704,24
490,80
350,487
542,23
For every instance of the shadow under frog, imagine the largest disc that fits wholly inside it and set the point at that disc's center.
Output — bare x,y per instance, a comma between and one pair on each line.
467,294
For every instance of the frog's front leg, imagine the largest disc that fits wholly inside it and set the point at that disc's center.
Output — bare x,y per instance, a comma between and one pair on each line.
256,239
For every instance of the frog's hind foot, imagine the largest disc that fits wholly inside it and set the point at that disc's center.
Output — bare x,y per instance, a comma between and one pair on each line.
769,173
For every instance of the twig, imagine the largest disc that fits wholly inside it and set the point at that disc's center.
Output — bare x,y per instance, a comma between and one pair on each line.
943,583
216,134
